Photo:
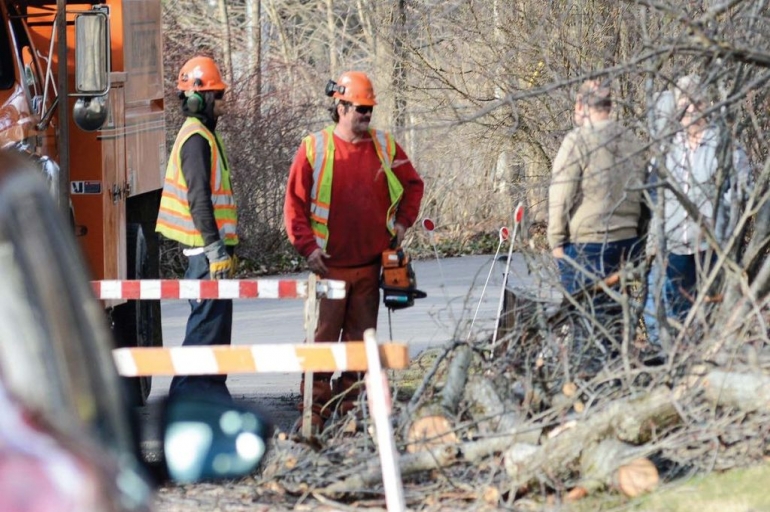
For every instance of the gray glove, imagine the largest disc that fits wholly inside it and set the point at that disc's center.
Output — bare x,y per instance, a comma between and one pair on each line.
221,265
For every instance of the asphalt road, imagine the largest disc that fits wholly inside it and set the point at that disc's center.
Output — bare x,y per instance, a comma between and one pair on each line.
455,288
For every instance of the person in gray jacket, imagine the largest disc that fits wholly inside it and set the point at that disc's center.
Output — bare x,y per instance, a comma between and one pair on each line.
691,176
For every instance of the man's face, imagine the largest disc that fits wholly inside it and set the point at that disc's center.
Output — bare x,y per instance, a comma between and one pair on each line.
356,117
692,112
220,106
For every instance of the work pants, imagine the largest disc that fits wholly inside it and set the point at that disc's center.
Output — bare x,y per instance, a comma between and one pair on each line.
210,323
345,319
594,259
681,284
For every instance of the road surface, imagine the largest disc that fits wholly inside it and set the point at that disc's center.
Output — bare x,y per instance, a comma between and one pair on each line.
455,288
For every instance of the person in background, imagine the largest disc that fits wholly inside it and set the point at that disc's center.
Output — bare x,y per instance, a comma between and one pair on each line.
692,169
197,209
351,193
595,199
594,215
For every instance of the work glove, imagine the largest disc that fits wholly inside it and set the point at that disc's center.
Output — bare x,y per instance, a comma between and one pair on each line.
221,264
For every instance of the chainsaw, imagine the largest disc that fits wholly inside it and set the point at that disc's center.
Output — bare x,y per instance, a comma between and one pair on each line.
398,282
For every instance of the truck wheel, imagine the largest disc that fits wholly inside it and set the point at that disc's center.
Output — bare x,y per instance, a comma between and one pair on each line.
137,322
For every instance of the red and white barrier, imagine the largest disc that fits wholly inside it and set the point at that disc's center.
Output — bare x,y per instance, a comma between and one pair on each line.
193,289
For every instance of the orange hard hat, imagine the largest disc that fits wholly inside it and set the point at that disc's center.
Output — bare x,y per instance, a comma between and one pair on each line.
355,87
200,74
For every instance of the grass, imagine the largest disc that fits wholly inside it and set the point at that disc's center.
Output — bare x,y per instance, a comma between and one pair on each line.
738,490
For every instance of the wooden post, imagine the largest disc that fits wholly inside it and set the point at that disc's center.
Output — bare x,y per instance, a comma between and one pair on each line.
379,408
311,320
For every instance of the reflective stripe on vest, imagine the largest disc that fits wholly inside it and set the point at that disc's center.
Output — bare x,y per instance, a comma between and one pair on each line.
174,218
319,148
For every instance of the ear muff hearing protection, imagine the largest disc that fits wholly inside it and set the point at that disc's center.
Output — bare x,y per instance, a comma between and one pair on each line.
195,102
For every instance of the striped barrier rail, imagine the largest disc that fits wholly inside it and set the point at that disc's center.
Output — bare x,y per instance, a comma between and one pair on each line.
267,358
192,289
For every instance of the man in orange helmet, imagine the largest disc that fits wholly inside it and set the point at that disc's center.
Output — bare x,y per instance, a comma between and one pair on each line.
197,209
342,226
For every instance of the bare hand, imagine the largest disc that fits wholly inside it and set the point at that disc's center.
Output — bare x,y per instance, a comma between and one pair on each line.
316,262
558,252
400,232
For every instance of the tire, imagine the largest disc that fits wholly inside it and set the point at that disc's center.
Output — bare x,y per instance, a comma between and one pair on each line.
137,322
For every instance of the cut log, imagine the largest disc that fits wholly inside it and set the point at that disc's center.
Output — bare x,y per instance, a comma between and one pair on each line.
576,494
637,477
487,409
429,432
612,463
630,420
599,463
749,392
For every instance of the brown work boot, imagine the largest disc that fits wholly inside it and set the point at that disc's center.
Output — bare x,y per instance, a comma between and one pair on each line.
346,391
347,413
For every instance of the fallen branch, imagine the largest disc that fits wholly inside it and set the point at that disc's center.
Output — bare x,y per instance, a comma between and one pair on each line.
749,392
633,421
425,460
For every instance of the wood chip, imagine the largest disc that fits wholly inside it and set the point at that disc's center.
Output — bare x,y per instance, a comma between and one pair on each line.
491,495
569,389
562,428
576,494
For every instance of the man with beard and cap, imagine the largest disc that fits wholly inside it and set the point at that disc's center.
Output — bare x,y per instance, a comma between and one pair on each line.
342,226
197,210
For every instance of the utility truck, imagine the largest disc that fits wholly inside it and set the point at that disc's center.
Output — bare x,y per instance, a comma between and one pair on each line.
81,95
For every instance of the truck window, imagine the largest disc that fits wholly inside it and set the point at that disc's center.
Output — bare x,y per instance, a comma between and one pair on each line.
7,75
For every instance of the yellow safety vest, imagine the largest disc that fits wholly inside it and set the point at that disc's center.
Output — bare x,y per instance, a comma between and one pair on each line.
174,219
319,148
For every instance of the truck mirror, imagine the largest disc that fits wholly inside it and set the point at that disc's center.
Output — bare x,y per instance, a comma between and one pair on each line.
92,54
90,113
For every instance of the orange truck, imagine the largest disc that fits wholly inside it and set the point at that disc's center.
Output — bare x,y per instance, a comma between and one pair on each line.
81,94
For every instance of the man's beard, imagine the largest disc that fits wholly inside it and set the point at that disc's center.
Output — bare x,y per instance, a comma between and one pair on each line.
362,125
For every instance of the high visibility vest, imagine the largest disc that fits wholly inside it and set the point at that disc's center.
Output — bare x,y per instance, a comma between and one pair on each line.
174,219
319,148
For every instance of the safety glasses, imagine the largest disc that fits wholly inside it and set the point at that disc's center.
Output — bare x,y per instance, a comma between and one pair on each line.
363,109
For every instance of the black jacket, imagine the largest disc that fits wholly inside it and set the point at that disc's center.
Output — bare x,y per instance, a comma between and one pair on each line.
196,169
